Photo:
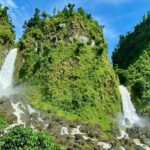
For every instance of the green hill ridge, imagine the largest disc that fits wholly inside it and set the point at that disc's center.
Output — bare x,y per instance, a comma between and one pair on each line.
7,35
131,60
63,59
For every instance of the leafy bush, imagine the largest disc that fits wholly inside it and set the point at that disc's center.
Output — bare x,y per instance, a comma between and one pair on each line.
122,76
138,88
25,139
3,121
7,35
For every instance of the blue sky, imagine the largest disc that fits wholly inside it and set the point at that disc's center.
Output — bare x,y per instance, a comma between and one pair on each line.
118,16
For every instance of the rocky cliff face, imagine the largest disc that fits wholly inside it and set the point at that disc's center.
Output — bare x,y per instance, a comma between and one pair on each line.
131,59
64,60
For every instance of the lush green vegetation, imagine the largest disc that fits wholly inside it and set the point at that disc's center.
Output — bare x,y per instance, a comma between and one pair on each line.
65,57
3,121
17,138
26,139
131,60
7,35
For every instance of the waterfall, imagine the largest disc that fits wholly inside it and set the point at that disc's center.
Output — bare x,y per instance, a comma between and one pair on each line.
6,73
129,111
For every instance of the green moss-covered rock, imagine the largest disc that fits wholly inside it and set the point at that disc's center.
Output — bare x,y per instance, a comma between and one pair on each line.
132,62
65,57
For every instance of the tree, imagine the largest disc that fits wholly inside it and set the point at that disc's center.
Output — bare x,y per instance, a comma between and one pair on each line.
35,21
138,88
81,11
7,35
71,8
89,16
65,11
45,15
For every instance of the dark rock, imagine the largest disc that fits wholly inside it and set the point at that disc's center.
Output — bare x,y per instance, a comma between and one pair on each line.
116,147
89,141
78,136
138,147
84,129
146,141
77,146
96,147
12,118
34,115
2,101
50,126
91,135
72,126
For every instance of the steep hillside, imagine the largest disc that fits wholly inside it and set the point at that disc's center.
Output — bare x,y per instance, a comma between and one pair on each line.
63,59
131,59
7,35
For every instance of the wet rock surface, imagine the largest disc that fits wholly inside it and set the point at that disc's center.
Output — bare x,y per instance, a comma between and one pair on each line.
72,135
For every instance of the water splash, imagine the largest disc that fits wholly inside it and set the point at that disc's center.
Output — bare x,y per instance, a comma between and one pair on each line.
6,74
18,112
76,130
64,131
130,116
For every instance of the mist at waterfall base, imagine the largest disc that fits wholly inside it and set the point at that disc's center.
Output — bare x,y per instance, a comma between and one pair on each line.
6,75
129,118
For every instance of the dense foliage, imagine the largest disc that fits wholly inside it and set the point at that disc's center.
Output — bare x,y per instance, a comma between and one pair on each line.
131,59
65,57
26,139
132,44
3,120
7,35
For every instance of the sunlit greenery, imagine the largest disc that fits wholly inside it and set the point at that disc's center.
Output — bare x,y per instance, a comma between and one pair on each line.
26,139
7,35
3,121
72,75
132,63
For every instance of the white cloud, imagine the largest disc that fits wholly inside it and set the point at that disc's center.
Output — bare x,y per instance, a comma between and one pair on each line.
109,31
114,2
8,3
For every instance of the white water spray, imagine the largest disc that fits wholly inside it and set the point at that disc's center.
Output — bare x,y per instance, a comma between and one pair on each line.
6,73
129,111
18,112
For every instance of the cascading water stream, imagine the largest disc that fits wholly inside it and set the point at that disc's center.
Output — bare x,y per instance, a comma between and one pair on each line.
6,73
129,111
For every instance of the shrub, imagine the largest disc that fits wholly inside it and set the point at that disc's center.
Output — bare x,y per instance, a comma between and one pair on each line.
3,120
25,139
138,88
